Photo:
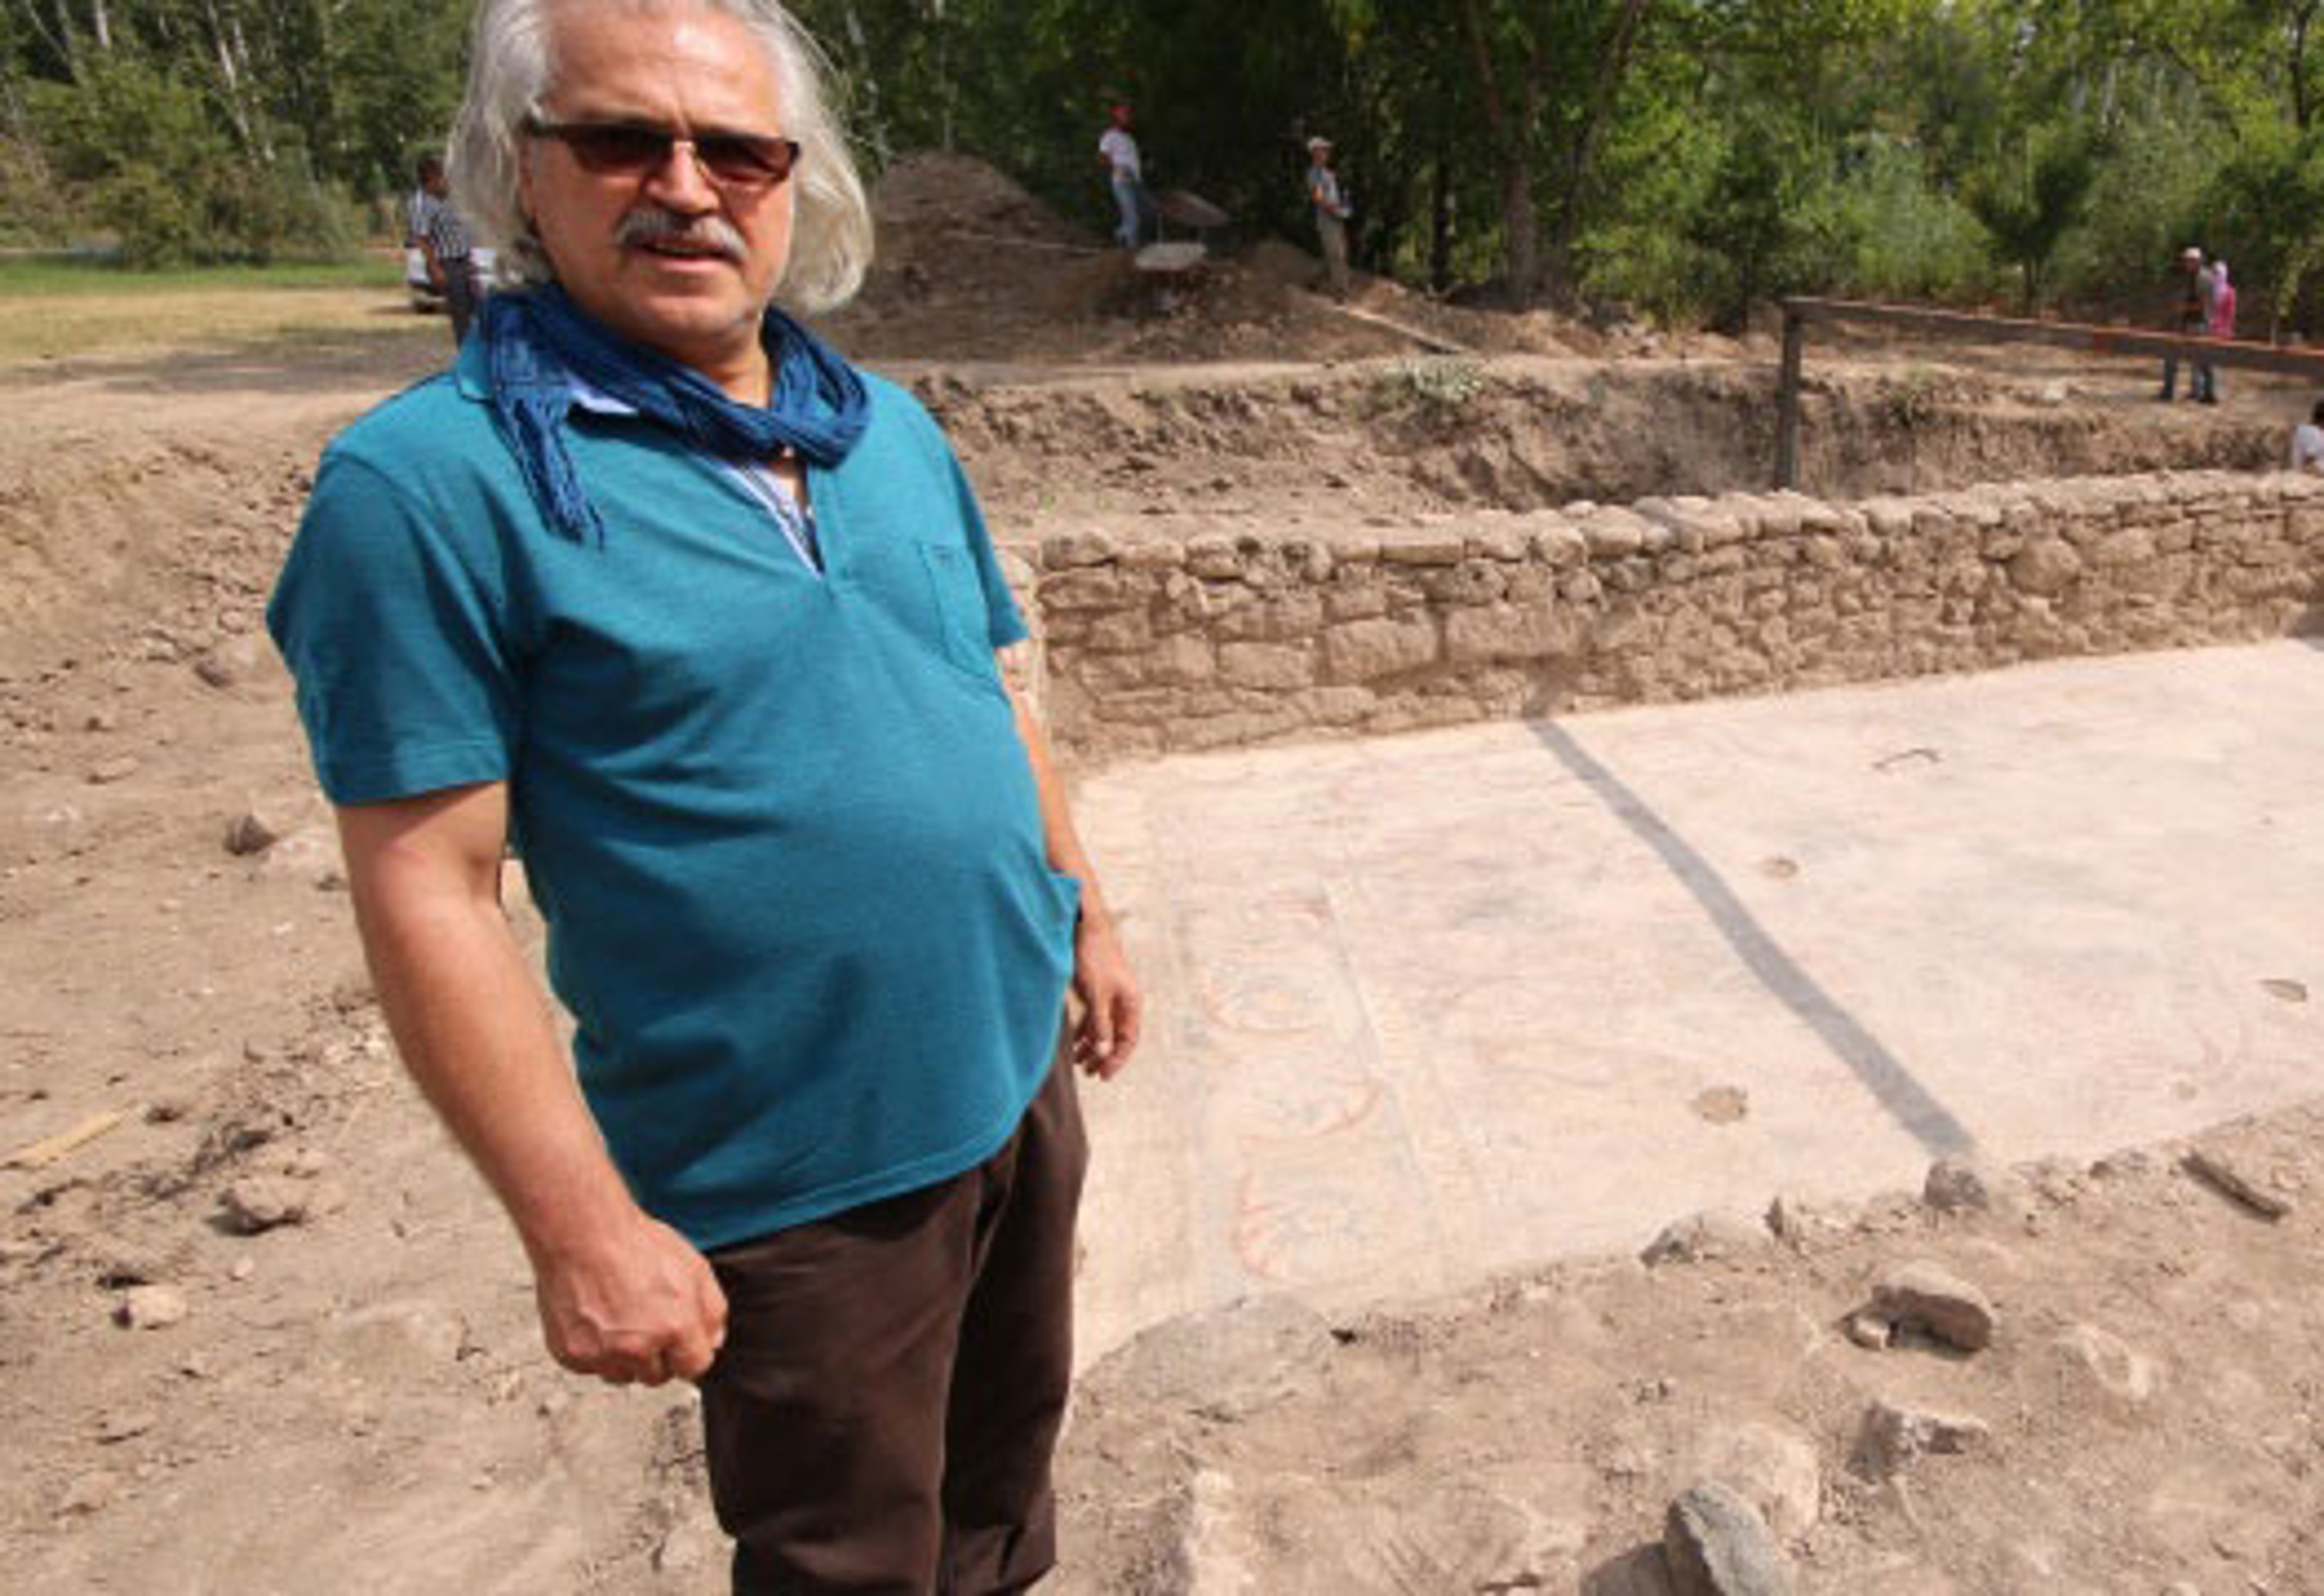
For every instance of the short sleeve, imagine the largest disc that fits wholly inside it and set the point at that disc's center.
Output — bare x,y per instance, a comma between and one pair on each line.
396,628
1004,625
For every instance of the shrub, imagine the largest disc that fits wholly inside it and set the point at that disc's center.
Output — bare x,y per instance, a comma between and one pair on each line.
1902,238
139,152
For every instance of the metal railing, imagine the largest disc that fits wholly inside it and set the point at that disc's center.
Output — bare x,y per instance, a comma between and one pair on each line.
2001,329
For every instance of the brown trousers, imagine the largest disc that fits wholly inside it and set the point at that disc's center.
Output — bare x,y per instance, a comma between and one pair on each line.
881,1417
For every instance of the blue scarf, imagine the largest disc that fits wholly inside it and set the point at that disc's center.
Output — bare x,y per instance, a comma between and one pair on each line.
539,343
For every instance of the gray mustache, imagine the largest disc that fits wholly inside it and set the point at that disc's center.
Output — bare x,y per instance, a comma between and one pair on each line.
651,225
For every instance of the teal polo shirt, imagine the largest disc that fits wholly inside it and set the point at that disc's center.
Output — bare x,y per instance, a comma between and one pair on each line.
778,818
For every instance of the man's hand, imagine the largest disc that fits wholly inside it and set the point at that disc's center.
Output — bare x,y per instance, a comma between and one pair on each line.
637,1306
1110,1006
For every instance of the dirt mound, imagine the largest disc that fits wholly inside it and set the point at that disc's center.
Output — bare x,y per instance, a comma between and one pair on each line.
150,548
940,191
972,267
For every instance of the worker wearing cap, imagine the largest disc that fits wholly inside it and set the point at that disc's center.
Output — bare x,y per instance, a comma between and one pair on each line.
2194,316
1332,212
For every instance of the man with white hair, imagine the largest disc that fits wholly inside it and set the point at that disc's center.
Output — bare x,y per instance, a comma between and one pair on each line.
658,588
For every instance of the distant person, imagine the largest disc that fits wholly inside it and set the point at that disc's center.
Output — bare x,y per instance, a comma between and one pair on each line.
2219,323
1329,203
2308,442
2193,316
444,242
1117,154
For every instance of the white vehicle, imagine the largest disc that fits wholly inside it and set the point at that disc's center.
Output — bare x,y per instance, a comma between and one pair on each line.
424,297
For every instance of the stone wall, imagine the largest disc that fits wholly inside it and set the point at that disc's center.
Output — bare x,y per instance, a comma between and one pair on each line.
1152,644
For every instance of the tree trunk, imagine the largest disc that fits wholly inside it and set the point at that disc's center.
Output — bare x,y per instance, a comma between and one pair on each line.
55,30
1440,225
1520,230
2302,16
873,123
1614,56
19,126
1520,224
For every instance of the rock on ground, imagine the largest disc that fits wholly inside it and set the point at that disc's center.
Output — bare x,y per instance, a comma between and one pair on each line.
1717,1545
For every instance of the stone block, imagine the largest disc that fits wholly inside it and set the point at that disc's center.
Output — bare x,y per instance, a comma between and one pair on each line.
1070,550
1118,631
1363,650
1509,632
1355,601
1471,582
2128,546
1278,667
1215,556
1423,550
1098,588
1560,545
1336,706
1612,533
2045,567
1183,658
1154,554
1509,543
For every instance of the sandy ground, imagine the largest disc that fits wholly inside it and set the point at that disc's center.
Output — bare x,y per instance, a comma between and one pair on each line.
264,1332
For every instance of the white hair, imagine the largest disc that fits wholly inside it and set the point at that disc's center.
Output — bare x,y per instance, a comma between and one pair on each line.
510,73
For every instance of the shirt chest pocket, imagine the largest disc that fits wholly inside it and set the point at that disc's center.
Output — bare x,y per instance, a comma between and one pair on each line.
933,591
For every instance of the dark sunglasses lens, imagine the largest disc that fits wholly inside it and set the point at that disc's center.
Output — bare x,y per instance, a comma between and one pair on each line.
612,149
736,159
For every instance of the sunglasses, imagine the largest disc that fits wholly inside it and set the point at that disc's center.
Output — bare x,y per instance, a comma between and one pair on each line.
626,150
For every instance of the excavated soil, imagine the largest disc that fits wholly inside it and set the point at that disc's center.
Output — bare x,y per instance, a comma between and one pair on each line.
264,1332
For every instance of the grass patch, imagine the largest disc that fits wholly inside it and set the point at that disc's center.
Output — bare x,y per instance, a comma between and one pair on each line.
53,308
48,276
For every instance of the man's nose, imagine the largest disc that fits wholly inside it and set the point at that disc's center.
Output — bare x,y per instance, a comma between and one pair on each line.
680,184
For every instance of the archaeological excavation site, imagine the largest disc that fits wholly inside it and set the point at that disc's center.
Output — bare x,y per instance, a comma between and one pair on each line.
1701,1037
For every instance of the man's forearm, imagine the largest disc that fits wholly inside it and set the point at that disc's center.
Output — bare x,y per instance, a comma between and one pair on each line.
475,1032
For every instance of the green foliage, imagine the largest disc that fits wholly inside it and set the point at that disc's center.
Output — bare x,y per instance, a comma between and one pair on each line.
2031,194
1442,386
1683,158
2268,214
153,168
1764,221
65,276
1635,255
1906,238
2148,201
32,211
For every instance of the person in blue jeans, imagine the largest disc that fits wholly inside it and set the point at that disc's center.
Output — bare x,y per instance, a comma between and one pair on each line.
1118,156
657,589
2192,316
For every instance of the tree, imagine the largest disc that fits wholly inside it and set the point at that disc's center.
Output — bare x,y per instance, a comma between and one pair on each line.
2031,196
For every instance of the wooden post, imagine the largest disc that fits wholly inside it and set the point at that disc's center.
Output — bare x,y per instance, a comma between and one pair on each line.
1787,401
